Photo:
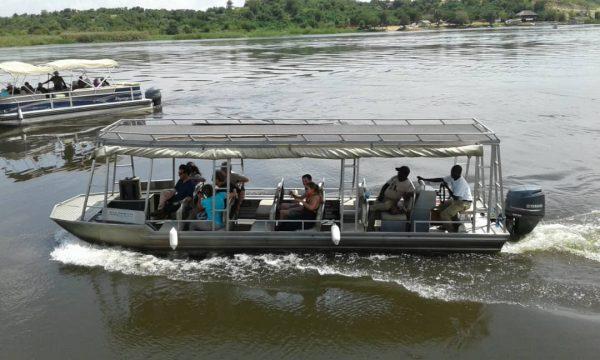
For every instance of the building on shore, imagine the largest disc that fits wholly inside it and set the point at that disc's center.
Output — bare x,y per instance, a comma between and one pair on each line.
527,16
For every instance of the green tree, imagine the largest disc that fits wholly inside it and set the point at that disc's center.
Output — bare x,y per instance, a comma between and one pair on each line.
172,28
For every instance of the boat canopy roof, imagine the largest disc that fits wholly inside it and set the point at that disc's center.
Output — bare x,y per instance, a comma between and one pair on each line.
17,68
276,139
80,64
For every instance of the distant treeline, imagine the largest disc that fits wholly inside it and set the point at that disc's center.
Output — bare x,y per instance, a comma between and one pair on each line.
257,15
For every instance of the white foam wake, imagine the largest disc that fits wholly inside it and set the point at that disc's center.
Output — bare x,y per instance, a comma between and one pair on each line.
578,235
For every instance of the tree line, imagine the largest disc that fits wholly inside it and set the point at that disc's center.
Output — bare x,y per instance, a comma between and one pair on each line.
282,14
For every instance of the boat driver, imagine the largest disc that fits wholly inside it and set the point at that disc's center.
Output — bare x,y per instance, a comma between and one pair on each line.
460,196
58,81
394,196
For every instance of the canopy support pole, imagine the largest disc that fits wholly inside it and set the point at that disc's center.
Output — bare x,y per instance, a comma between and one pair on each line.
501,201
173,166
213,200
491,184
114,177
148,186
132,166
342,173
356,202
229,165
105,206
475,194
87,193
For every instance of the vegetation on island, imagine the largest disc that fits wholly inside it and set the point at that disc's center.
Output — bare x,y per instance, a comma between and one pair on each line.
275,17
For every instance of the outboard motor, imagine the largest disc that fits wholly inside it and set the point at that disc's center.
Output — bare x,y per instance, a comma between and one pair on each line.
525,207
154,95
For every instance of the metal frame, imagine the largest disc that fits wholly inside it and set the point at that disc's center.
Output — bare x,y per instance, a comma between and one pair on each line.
491,197
195,133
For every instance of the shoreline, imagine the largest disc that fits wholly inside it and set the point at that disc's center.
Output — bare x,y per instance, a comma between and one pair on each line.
136,36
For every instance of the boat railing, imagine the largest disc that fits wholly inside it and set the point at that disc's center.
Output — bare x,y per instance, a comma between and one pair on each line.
303,223
52,97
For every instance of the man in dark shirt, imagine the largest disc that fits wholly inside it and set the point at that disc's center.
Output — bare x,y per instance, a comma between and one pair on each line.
185,186
171,199
58,81
41,89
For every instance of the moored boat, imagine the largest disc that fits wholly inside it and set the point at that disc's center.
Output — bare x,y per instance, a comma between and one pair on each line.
341,224
76,99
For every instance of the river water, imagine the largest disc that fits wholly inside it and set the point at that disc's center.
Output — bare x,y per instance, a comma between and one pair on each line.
538,88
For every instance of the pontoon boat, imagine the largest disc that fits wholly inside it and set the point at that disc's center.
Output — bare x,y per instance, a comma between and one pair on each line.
117,218
102,98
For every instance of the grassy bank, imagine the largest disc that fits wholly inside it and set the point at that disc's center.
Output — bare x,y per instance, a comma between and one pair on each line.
124,36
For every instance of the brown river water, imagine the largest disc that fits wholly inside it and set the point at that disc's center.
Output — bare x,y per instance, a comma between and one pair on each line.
538,88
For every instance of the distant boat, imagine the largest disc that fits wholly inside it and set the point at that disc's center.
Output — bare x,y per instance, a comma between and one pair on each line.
82,98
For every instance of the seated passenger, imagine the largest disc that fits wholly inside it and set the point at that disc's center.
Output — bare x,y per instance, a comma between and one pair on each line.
204,209
171,199
295,206
27,88
40,89
396,191
195,174
96,83
12,90
4,93
236,180
81,84
309,206
460,197
104,82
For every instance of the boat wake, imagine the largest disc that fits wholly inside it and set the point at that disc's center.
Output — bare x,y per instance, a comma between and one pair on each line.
578,235
516,276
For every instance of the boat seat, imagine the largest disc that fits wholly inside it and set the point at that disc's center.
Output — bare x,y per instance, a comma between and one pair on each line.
273,211
321,209
264,209
386,216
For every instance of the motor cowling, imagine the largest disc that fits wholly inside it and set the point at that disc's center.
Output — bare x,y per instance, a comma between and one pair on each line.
154,95
525,208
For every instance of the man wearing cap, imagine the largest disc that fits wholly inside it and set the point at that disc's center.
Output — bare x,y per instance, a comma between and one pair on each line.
58,81
397,188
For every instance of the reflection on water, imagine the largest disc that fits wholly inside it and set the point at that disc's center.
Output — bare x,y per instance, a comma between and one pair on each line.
315,312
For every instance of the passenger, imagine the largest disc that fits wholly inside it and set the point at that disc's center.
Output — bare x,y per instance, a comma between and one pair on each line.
460,196
308,211
104,82
96,83
195,173
394,197
4,93
81,84
287,208
58,81
234,191
27,88
204,208
41,89
171,199
236,180
12,90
